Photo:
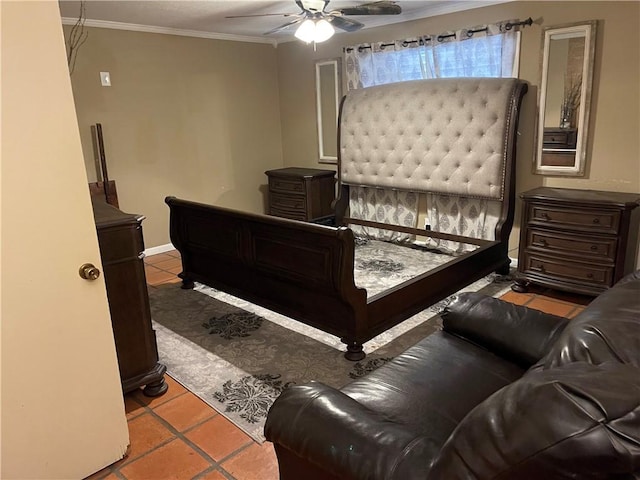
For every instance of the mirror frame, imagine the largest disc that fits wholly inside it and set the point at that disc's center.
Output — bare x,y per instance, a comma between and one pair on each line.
321,117
582,124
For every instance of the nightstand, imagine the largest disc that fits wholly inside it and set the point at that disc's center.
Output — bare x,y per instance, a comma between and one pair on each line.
580,241
301,193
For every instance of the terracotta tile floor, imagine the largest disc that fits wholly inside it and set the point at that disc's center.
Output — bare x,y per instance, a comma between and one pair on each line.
178,436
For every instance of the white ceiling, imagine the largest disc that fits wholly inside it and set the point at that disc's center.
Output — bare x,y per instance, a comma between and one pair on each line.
206,18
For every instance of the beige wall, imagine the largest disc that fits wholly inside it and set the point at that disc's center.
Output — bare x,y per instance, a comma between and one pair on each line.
614,163
194,118
203,119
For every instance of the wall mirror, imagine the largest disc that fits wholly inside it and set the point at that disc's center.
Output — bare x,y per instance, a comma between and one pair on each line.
328,94
565,98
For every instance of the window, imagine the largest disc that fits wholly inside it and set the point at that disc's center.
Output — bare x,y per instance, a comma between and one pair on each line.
483,52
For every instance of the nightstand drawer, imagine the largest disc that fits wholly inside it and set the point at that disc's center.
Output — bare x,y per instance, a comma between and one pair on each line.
595,248
286,185
559,138
602,221
552,268
291,214
288,202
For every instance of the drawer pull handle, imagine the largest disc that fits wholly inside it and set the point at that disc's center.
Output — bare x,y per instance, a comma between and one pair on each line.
543,242
544,216
596,221
594,247
589,275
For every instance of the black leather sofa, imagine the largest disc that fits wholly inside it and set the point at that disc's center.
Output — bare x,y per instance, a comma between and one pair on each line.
502,392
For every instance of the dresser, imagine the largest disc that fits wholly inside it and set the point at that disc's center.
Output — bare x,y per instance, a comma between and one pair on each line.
301,193
121,250
580,241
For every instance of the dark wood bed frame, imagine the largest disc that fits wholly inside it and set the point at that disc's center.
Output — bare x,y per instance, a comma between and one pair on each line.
305,270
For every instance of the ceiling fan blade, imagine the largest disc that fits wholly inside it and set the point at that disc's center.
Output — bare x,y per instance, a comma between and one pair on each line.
264,15
282,27
346,24
374,8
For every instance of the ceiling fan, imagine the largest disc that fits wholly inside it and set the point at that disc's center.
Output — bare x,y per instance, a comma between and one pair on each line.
317,23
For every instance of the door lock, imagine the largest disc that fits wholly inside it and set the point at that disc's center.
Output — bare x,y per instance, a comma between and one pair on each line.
88,271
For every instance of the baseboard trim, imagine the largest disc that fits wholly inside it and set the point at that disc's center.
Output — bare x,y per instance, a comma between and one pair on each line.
159,249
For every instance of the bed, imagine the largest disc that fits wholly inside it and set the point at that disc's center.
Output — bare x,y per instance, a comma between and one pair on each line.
449,137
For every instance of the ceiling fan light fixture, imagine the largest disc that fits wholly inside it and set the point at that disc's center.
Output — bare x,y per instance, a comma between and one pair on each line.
314,31
306,31
324,31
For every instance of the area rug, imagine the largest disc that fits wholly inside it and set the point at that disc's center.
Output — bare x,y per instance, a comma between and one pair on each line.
238,357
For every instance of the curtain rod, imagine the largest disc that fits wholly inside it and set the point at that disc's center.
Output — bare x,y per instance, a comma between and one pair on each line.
525,23
507,26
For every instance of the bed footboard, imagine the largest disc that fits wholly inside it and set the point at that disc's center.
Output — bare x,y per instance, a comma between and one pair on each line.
301,270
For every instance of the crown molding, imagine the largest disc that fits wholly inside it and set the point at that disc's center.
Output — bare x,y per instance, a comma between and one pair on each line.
169,31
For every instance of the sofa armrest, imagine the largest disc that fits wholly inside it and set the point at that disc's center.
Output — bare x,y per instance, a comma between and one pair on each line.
516,333
330,430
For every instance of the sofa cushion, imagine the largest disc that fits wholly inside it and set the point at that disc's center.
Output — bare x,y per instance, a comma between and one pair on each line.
594,431
608,330
498,325
432,386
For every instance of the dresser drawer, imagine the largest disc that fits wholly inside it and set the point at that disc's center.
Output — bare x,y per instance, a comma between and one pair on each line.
295,203
286,185
559,138
551,268
124,243
596,248
292,214
586,220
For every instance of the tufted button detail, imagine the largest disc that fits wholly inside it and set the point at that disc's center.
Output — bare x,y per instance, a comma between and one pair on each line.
377,148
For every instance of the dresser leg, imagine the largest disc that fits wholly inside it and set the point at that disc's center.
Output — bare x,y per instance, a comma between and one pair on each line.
187,284
156,388
520,286
153,381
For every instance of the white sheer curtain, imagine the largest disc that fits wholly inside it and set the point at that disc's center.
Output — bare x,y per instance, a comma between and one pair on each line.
481,51
384,206
469,217
379,63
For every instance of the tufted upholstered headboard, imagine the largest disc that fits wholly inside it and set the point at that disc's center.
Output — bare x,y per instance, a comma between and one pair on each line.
449,136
